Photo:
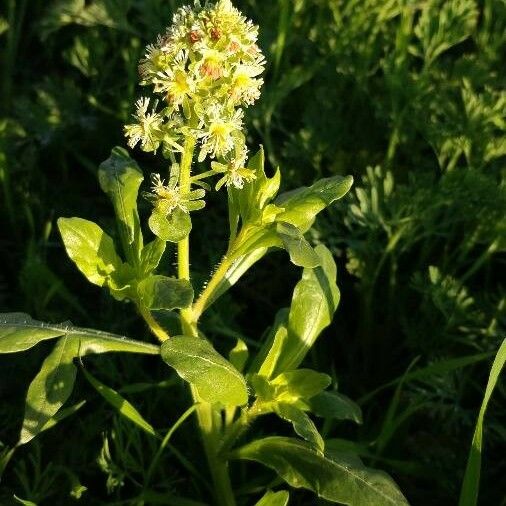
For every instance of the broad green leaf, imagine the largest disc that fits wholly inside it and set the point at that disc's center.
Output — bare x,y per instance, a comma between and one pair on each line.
120,178
92,250
50,389
314,302
18,332
302,424
173,227
238,355
471,483
124,408
291,386
214,378
274,498
151,255
301,252
344,481
333,405
160,292
303,204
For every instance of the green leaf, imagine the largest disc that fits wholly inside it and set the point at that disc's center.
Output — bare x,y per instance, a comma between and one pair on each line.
238,355
301,252
93,252
50,389
270,352
314,302
18,332
254,197
160,292
120,178
274,498
124,408
214,378
151,255
302,424
302,205
333,405
6,455
173,227
344,481
291,386
61,415
471,483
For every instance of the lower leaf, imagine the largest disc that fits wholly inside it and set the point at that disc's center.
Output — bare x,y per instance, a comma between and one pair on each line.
341,480
50,389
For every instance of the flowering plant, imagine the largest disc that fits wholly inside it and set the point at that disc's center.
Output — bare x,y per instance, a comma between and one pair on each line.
202,73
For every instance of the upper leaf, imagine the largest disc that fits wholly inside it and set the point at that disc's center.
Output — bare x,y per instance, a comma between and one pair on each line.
18,332
93,252
161,292
301,252
120,177
303,204
253,198
338,479
172,227
215,379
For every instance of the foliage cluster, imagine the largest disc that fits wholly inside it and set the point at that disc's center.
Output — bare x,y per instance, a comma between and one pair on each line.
406,96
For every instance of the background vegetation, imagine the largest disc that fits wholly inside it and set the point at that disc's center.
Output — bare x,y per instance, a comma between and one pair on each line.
408,96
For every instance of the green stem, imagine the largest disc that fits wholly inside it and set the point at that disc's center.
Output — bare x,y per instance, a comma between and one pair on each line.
155,328
209,420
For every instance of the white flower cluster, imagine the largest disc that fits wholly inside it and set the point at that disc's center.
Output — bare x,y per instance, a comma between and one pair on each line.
204,70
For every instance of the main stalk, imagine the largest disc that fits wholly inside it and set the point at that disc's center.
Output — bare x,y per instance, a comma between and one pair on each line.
209,420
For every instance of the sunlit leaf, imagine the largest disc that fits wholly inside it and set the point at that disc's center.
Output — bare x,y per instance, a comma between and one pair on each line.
91,249
300,251
344,481
173,227
120,178
314,301
19,332
303,204
274,498
198,363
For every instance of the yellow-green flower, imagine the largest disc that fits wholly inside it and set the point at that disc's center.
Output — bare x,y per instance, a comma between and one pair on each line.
235,173
147,130
169,197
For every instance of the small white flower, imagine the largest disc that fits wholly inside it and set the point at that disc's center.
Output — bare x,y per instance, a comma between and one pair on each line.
148,128
218,134
234,171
